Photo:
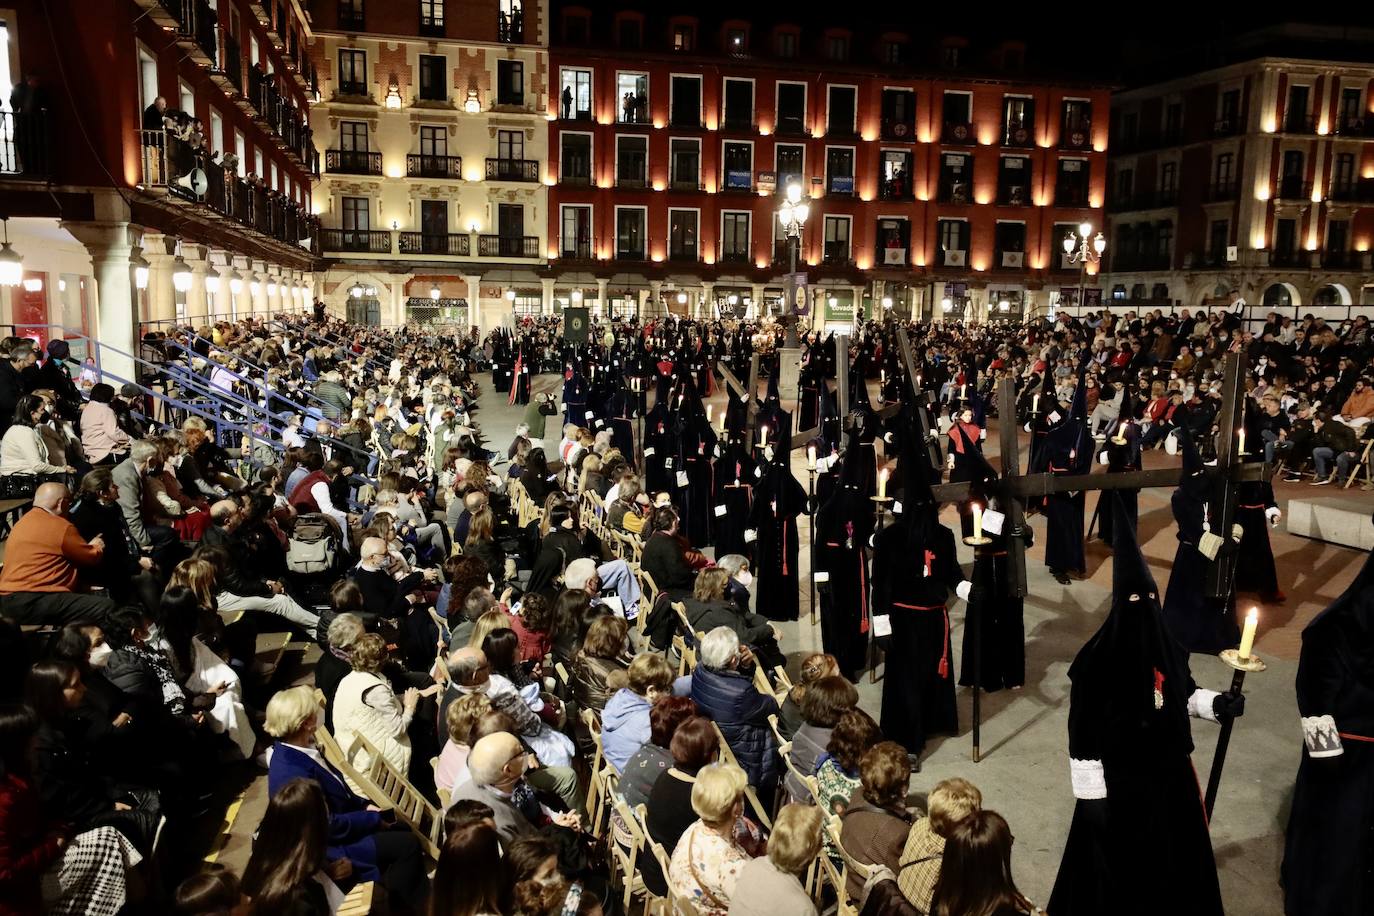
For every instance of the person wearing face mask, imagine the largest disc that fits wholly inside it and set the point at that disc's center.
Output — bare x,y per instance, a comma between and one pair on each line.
737,589
398,599
468,672
23,450
126,576
44,559
158,542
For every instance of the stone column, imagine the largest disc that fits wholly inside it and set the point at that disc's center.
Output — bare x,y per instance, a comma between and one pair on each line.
243,302
474,282
197,305
656,298
116,315
601,296
546,300
756,298
706,300
161,294
395,284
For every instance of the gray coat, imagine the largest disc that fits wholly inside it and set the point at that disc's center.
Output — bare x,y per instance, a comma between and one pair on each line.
130,482
762,890
510,823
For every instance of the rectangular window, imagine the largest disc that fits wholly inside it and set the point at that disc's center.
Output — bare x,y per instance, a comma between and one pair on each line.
837,239
734,236
738,161
1291,184
630,34
510,82
257,163
1218,238
1077,117
630,233
575,98
1071,184
1164,244
791,109
1168,179
1010,241
632,90
789,161
1285,240
893,241
686,102
510,145
839,170
1228,122
432,18
899,114
682,38
737,40
352,71
147,78
1343,175
686,164
351,14
956,177
188,98
216,132
433,140
1224,171
1125,185
510,228
434,225
1295,119
837,48
433,78
356,213
1130,126
840,110
631,162
274,181
1014,181
1173,122
353,136
241,150
739,104
575,158
957,109
682,235
896,175
953,235
576,238
787,44
575,29
1337,237
1349,113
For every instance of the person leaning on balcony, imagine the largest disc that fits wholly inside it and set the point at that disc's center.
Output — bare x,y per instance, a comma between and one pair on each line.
43,561
154,114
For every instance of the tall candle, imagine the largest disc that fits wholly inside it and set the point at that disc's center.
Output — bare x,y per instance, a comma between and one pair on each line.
811,457
1247,636
763,436
1121,433
1035,404
708,414
1242,447
977,521
722,421
882,484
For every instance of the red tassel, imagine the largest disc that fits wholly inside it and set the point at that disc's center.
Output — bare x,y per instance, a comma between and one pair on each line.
944,652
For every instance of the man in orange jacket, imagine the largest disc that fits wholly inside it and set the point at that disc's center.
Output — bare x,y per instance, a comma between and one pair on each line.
43,560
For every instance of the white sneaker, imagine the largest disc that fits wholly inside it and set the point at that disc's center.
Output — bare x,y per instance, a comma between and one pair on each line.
1320,483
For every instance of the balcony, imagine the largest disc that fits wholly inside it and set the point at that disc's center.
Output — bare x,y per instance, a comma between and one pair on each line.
512,170
686,122
169,169
357,241
1145,200
432,26
738,125
1294,189
890,255
951,257
895,189
958,132
734,257
24,145
575,179
580,250
511,28
453,244
790,126
351,18
352,89
228,72
632,182
1289,257
428,166
630,254
685,184
1018,136
782,253
1297,123
1079,137
903,130
836,254
1070,197
352,162
1222,190
1352,126
1354,192
1226,126
508,246
1136,261
682,254
1341,260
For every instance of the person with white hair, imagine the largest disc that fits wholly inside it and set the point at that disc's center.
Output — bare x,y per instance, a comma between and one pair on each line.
723,689
612,584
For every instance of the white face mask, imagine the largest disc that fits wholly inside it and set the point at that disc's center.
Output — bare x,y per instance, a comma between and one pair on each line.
100,655
744,578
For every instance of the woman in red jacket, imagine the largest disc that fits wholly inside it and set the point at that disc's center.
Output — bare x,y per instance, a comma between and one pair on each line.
28,845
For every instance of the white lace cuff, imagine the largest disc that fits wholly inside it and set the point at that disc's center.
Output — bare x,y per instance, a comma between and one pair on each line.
1200,704
1089,779
1320,735
1271,513
963,589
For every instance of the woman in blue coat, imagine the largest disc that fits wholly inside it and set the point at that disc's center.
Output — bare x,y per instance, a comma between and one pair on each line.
723,689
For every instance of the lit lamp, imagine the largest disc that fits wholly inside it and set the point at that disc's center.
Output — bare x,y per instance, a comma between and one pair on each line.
473,105
510,295
577,295
1082,252
235,283
887,302
434,292
11,264
140,273
33,284
181,275
393,96
1003,305
681,298
947,304
356,292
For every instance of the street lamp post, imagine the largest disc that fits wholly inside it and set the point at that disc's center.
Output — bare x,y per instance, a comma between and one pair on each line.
792,215
1082,252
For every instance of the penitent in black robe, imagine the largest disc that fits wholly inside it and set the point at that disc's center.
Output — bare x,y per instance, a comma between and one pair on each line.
732,500
915,567
778,500
843,526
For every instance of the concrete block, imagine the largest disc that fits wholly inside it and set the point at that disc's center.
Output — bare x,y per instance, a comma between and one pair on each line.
1335,519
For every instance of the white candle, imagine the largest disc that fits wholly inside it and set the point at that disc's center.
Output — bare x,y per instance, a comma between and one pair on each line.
811,458
708,414
1121,433
977,521
882,484
763,436
1242,447
722,421
1035,404
1247,636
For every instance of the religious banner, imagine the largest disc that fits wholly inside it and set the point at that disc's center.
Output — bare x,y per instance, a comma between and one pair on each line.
795,293
575,325
1092,297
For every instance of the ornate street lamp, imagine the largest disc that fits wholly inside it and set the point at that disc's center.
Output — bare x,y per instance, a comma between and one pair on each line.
792,217
1082,252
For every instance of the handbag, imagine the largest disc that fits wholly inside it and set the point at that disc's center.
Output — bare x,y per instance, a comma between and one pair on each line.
18,486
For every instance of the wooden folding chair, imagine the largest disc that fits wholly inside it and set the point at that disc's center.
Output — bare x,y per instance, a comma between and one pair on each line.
839,877
597,798
411,807
674,904
439,790
626,858
686,655
750,796
358,902
1361,465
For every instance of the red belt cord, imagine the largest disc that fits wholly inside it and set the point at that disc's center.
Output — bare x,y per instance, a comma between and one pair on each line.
944,645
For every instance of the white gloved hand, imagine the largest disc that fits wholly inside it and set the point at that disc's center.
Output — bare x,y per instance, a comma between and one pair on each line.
1102,457
1273,514
963,589
949,462
1237,532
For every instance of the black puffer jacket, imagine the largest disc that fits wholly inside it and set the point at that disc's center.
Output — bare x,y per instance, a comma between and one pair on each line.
730,699
705,616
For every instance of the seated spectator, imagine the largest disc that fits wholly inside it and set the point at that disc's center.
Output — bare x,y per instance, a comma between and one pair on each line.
44,557
627,513
213,891
481,542
209,462
156,541
667,556
497,768
822,706
63,767
126,576
101,438
400,599
342,634
950,803
312,495
559,548
627,720
23,450
655,757
573,613
706,863
737,589
975,873
770,884
479,603
876,822
289,870
365,704
469,672
837,772
460,719
237,589
592,480
611,585
531,620
536,478
460,512
709,608
89,872
724,691
463,574
599,665
489,622
165,503
470,879
209,682
813,668
1358,409
669,811
357,831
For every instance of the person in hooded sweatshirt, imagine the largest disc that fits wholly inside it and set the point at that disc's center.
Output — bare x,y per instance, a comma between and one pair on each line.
625,720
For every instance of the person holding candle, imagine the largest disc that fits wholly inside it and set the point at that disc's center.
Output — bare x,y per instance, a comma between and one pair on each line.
1066,451
1139,826
1256,511
771,530
965,451
1329,844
